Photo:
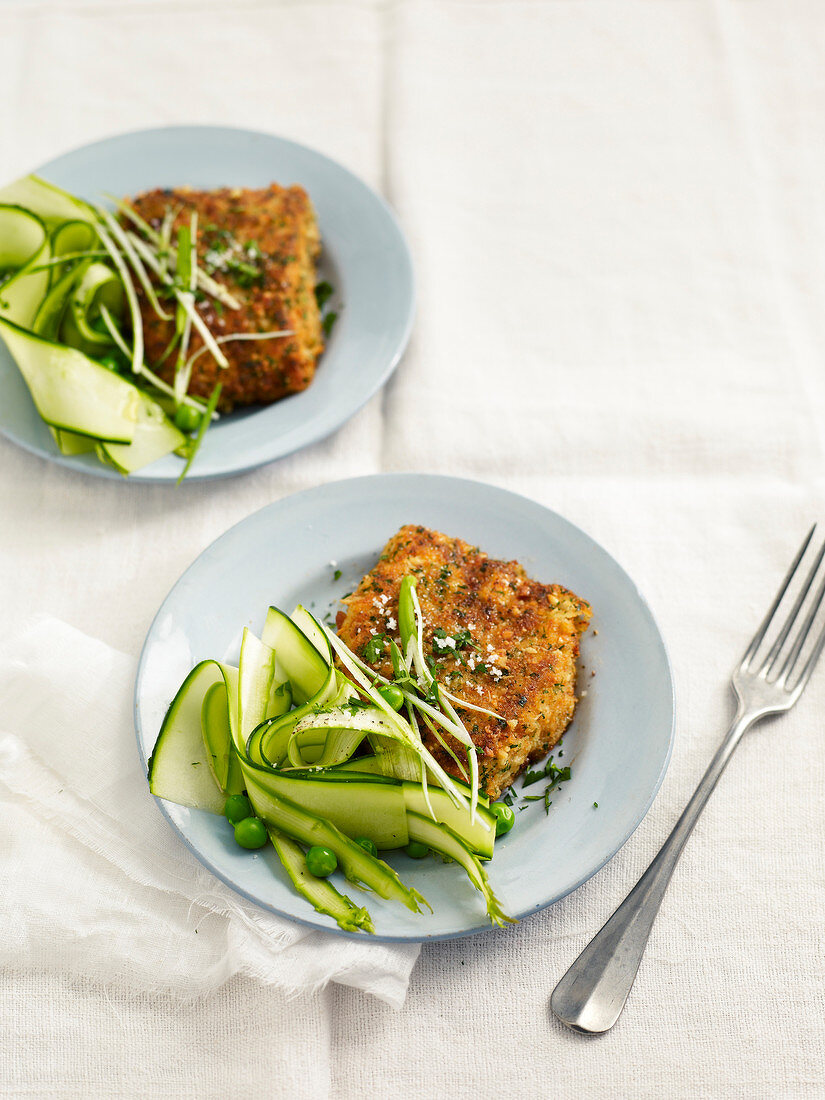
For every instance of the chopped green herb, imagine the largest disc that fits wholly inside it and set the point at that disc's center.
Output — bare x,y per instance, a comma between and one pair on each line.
543,797
336,576
549,771
328,322
444,642
374,649
323,292
357,704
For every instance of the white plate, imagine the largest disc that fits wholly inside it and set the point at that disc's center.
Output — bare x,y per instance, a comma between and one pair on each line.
365,258
618,745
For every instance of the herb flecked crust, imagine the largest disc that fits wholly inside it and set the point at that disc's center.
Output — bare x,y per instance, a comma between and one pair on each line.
494,636
262,246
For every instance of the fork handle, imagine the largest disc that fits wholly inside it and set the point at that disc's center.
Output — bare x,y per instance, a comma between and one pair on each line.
591,995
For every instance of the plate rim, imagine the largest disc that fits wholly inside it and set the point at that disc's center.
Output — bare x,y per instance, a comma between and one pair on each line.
328,426
424,937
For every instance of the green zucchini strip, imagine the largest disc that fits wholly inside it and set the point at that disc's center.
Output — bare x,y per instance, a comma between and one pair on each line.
336,745
217,736
308,625
256,674
441,838
48,319
357,864
71,391
319,892
179,767
299,661
370,806
70,443
155,436
24,245
71,241
99,287
268,743
49,203
478,835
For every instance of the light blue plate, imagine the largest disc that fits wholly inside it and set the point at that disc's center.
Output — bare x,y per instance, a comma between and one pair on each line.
365,258
618,745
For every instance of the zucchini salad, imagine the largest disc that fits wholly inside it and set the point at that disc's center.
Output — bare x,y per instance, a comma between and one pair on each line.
304,746
71,320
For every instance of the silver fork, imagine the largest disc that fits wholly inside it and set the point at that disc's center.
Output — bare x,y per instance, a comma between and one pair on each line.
591,995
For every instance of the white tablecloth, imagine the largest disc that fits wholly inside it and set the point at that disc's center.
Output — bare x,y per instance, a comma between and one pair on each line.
617,214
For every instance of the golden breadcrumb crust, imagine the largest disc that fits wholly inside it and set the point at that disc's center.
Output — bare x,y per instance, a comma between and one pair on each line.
499,639
279,224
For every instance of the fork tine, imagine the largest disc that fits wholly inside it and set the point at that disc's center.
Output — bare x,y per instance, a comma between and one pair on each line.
766,622
790,620
802,635
808,668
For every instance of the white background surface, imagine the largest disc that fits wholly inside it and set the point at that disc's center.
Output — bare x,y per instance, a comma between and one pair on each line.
617,215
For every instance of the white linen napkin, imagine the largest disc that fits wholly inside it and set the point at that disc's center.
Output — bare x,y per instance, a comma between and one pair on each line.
93,882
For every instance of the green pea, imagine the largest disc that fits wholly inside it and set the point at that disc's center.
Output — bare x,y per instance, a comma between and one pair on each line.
187,418
110,362
237,807
505,818
251,833
321,862
415,850
392,695
367,844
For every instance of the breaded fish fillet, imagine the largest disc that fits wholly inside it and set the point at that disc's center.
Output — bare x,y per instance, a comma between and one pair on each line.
262,246
498,639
